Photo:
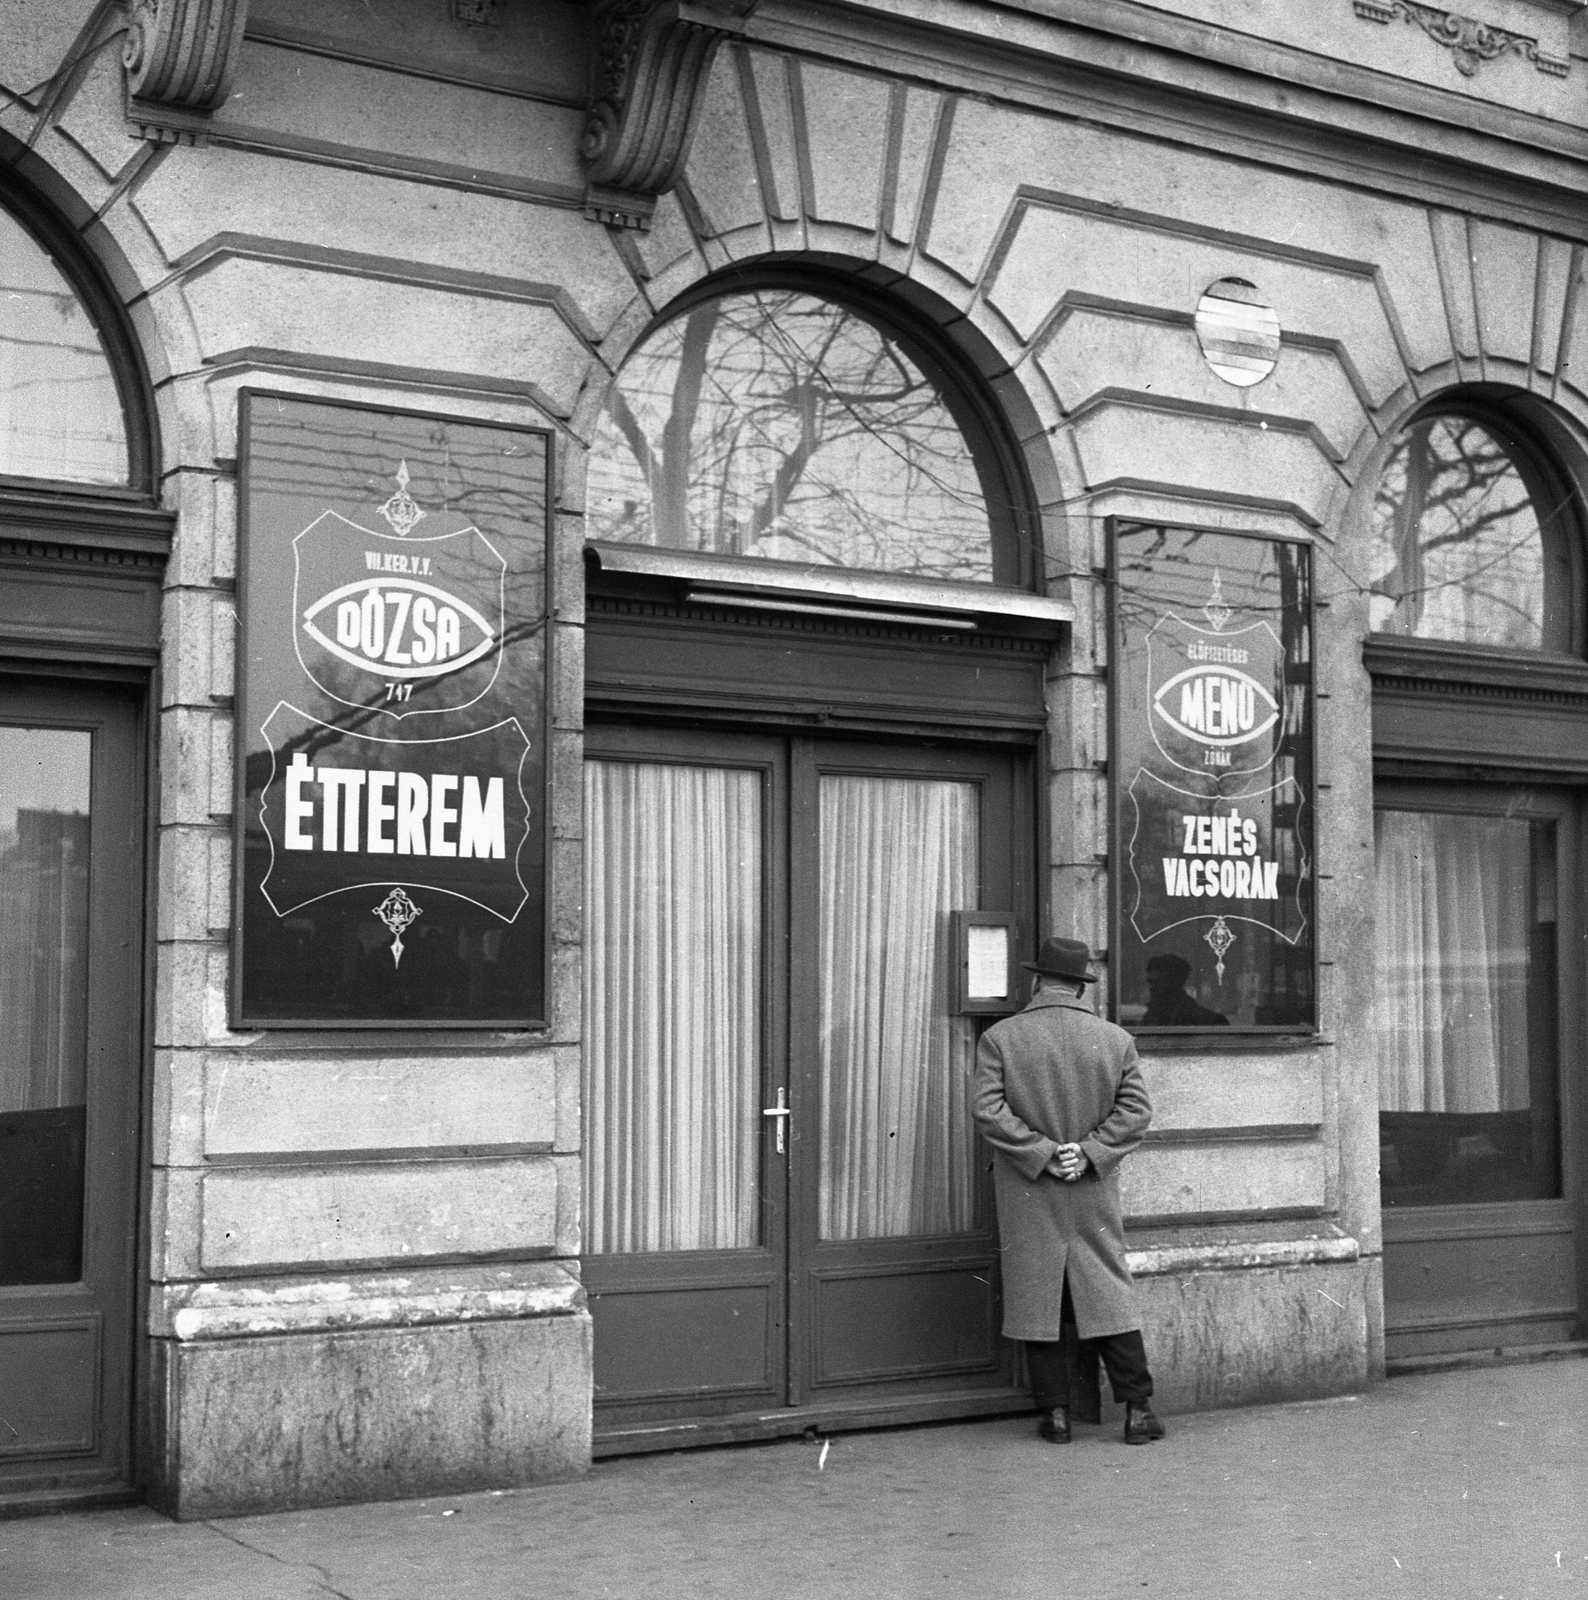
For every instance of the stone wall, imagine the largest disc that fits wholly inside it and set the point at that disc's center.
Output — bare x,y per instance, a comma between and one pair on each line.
344,1229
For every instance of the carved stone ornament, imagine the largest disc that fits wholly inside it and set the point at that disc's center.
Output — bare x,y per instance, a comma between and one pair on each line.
1470,43
180,56
650,61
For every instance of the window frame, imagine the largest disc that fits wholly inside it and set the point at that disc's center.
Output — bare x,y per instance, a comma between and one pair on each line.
108,314
1532,801
1562,528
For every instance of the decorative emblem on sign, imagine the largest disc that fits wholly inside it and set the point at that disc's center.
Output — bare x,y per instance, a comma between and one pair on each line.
393,623
1217,613
399,913
1212,711
402,511
1218,939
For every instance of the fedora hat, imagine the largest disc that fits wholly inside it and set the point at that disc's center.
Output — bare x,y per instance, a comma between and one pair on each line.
1063,958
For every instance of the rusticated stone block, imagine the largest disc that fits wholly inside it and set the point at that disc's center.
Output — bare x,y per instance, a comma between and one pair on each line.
186,753
1254,1336
377,1211
187,646
177,1126
300,1106
1226,1179
1200,1091
256,1424
567,784
184,877
567,677
182,993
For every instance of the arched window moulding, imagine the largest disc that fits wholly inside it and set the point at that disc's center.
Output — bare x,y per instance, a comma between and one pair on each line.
61,414
1474,534
770,437
79,432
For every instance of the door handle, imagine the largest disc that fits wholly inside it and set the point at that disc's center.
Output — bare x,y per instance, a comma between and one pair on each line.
782,1113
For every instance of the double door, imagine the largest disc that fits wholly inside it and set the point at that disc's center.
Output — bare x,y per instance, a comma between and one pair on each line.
70,985
785,1213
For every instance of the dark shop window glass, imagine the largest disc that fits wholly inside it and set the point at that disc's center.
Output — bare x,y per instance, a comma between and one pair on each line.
777,425
43,1001
1214,827
1466,916
60,413
1465,542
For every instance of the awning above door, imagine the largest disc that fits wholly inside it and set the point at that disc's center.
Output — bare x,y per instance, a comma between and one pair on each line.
837,592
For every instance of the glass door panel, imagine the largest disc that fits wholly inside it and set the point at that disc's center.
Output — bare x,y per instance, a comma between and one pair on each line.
44,842
895,1272
683,1174
897,1146
673,959
1468,1080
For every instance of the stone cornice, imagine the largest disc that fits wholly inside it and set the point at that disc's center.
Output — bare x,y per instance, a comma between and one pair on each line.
1138,69
1470,42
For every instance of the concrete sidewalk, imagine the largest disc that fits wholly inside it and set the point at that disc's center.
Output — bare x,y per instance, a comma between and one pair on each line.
1462,1484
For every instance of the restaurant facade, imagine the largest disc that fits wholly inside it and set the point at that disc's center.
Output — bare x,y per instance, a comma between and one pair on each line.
581,584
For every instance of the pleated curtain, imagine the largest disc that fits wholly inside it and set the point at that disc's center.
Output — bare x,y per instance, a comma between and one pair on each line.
897,1148
673,907
43,960
1454,917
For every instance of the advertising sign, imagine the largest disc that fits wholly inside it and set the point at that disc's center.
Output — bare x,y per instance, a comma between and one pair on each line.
392,749
1213,764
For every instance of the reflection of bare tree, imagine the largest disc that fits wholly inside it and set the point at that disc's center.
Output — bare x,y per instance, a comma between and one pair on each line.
778,425
520,693
1458,550
60,414
324,456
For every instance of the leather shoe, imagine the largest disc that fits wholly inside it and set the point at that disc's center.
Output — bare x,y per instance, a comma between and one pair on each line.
1055,1426
1141,1424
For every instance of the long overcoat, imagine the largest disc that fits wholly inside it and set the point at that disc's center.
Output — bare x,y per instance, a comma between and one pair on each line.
1055,1074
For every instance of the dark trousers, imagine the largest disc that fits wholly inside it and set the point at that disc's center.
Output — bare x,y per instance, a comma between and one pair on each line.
1064,1370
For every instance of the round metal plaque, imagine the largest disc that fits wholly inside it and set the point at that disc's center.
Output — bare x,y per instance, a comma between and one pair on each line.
1238,332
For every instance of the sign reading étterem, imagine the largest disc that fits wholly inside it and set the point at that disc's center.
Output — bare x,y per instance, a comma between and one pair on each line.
1213,780
392,716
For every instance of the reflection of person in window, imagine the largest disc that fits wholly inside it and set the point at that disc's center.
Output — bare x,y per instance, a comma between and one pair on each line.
1168,1004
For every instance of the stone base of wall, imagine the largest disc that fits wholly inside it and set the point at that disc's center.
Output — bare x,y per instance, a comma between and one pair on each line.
270,1421
1246,1332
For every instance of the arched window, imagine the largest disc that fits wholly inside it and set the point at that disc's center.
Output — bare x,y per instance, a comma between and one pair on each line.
1471,540
782,425
61,412
1479,729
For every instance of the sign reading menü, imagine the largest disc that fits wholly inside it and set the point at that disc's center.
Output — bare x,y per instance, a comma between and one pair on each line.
392,722
1213,757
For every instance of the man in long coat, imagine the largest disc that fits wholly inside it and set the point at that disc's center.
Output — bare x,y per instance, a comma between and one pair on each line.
1058,1094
